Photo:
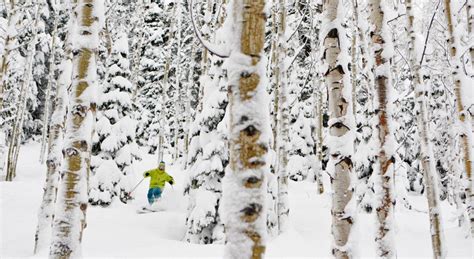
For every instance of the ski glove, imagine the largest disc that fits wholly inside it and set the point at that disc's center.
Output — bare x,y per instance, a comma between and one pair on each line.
171,182
147,174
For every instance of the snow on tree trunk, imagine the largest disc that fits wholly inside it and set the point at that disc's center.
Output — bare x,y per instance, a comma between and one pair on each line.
10,32
365,150
381,51
245,183
340,139
3,148
54,159
470,29
272,87
15,143
283,208
316,13
70,221
427,158
463,91
46,115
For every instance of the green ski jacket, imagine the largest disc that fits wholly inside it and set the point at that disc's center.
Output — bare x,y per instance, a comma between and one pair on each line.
158,178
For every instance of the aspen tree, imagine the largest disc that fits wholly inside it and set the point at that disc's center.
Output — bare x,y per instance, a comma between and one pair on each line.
15,142
69,221
318,93
354,38
46,115
54,159
3,71
470,28
244,187
11,15
273,78
379,49
427,159
283,121
179,93
340,139
363,102
55,137
464,118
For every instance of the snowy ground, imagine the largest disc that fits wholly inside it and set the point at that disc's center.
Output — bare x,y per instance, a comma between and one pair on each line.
118,231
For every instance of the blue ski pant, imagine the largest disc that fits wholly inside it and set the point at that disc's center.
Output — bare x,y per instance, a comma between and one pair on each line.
153,195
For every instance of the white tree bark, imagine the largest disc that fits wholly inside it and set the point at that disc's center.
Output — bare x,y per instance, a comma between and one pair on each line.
283,208
244,186
54,160
318,94
15,142
46,116
69,221
470,28
464,118
427,159
11,17
382,62
341,124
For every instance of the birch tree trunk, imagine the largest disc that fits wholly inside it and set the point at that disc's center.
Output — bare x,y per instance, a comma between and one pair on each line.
319,133
187,111
179,92
54,160
354,38
318,95
386,159
283,208
460,87
470,28
244,187
48,89
341,138
8,40
15,143
163,120
427,159
69,221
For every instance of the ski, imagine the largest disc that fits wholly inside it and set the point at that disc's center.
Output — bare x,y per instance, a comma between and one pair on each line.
144,210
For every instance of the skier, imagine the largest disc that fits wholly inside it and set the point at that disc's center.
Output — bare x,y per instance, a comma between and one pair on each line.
158,179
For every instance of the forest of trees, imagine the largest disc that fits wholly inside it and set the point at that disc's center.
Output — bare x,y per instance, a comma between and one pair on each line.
376,96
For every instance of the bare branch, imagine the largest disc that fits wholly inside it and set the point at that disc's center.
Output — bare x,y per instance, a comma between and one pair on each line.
428,33
217,50
396,18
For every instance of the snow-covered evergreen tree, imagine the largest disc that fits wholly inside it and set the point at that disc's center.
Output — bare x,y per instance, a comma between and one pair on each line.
153,80
209,155
116,148
302,164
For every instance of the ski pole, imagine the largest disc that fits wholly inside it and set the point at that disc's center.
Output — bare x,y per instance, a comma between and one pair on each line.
136,186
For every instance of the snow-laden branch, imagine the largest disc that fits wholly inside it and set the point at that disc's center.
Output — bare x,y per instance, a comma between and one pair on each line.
428,33
217,50
298,26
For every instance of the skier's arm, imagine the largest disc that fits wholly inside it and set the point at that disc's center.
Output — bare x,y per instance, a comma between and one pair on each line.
170,179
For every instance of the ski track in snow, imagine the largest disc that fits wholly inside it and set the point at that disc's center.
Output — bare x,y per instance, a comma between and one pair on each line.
118,231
